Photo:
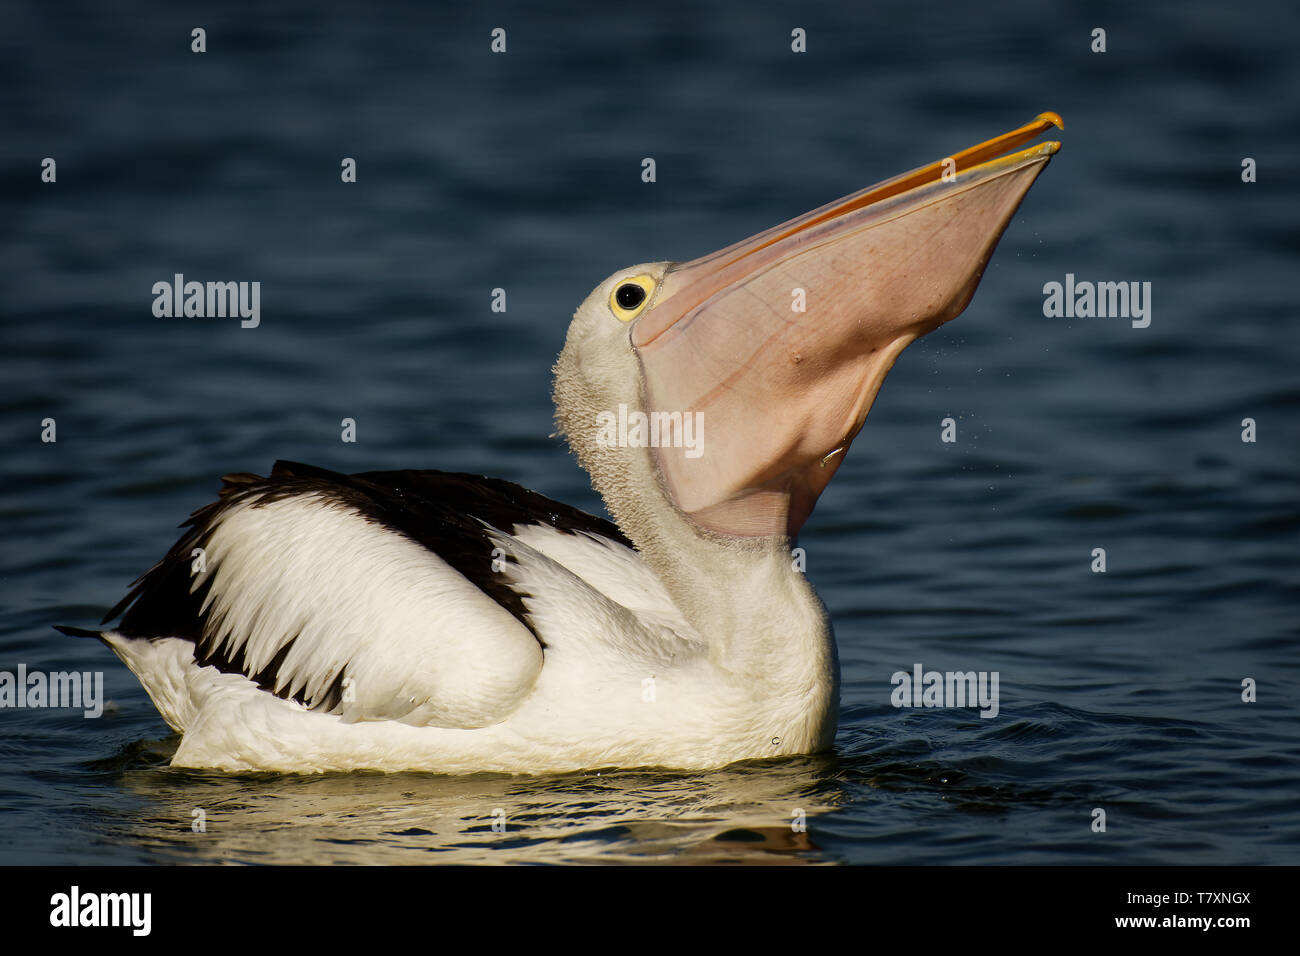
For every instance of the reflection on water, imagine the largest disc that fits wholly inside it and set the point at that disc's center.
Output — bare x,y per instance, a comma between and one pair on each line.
743,814
942,789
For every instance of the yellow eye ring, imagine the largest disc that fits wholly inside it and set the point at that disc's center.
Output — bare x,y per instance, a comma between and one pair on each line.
630,296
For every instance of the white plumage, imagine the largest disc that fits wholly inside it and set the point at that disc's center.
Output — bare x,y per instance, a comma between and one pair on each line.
442,677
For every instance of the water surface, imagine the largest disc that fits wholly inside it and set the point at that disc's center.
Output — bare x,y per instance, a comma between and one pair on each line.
1118,690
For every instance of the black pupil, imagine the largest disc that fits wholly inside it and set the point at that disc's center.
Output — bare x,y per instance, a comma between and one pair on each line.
629,296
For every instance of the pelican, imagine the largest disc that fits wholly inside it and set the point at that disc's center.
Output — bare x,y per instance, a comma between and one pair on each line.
311,621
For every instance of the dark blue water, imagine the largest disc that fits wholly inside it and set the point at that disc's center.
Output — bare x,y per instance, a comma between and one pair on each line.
1119,691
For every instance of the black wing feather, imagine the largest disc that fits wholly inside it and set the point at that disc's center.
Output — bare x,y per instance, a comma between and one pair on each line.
446,512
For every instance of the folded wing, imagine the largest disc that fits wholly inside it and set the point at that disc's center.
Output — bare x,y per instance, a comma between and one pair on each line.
377,596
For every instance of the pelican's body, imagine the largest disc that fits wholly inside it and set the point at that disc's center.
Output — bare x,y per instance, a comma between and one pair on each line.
602,670
311,621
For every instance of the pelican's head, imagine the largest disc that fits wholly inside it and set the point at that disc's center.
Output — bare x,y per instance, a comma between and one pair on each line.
732,385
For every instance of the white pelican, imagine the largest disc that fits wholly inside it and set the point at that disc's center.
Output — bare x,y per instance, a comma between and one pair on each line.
421,620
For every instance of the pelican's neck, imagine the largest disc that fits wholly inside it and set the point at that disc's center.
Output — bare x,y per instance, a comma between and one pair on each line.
745,596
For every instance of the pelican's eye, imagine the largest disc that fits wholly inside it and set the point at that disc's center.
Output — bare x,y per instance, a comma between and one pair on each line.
630,296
